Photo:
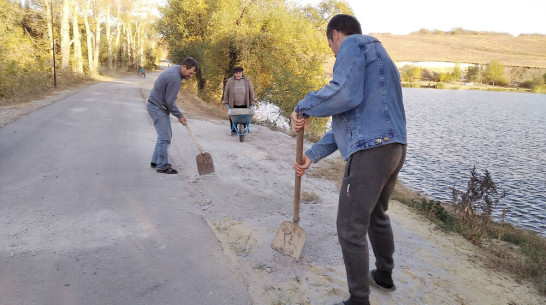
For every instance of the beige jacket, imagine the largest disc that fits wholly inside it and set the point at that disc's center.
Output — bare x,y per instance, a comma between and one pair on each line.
249,96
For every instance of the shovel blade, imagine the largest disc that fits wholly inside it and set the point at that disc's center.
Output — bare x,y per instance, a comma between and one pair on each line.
289,240
204,164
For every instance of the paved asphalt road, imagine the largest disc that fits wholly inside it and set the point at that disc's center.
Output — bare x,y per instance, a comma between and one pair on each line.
85,220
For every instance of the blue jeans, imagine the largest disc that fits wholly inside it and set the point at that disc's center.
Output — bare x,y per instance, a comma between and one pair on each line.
162,124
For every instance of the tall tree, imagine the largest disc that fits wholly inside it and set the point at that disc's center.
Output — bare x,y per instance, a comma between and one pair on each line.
23,58
65,34
281,48
119,25
325,10
46,4
494,74
97,4
184,26
89,36
78,61
108,35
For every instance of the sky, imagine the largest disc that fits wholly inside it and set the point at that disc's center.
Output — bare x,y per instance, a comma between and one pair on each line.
401,17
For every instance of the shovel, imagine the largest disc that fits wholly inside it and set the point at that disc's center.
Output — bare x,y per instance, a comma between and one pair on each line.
204,159
290,237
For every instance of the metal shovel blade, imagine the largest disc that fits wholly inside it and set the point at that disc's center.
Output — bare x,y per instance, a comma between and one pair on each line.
204,163
289,240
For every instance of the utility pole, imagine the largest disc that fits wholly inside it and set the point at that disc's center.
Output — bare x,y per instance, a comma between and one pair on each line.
53,44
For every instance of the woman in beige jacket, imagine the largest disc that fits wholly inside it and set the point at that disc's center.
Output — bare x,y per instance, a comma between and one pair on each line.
238,93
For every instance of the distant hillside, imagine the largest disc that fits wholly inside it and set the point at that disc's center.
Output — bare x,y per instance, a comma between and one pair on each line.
521,51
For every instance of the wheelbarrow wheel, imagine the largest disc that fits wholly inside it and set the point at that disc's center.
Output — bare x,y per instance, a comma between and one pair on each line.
241,132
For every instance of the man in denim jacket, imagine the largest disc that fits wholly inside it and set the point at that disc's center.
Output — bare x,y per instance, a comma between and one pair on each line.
364,99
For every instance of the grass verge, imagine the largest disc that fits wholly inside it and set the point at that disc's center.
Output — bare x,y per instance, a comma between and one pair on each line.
513,250
65,81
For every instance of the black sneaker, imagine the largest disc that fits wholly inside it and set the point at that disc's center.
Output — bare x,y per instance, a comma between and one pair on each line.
383,284
154,165
167,170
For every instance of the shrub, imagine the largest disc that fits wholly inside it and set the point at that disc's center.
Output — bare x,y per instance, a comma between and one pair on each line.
434,209
518,251
527,84
530,84
477,203
494,74
317,127
539,89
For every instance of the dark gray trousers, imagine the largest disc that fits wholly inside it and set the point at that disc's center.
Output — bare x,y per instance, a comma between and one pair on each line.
368,182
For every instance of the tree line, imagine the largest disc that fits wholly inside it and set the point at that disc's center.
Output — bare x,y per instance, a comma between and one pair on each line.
281,45
492,73
82,37
461,31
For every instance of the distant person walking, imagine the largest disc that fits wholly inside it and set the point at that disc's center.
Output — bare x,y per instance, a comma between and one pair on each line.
364,99
162,103
238,93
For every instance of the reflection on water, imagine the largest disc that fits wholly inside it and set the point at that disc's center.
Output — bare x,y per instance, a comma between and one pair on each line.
449,132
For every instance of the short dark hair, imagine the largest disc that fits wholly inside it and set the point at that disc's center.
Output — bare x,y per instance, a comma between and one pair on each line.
238,69
190,62
343,23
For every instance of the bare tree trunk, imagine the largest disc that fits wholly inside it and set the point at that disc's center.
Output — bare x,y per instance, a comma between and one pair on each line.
89,34
138,43
49,26
65,35
108,35
141,44
129,35
97,41
78,61
47,6
118,34
123,46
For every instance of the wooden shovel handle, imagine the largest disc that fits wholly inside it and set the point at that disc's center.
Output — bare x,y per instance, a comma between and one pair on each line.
297,184
195,140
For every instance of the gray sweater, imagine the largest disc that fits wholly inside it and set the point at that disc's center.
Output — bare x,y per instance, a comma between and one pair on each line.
166,89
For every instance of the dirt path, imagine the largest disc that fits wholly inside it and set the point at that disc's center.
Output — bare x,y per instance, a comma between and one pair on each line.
251,194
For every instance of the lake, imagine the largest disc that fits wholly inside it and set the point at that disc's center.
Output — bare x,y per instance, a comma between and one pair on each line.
451,131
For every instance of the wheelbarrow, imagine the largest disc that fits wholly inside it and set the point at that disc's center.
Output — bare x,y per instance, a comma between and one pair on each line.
240,118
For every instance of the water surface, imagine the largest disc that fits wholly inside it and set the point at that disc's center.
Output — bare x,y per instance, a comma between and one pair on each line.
451,131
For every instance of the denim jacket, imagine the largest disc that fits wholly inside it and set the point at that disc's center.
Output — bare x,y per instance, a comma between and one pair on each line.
364,99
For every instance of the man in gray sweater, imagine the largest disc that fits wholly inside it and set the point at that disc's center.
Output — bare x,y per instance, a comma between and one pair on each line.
162,103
